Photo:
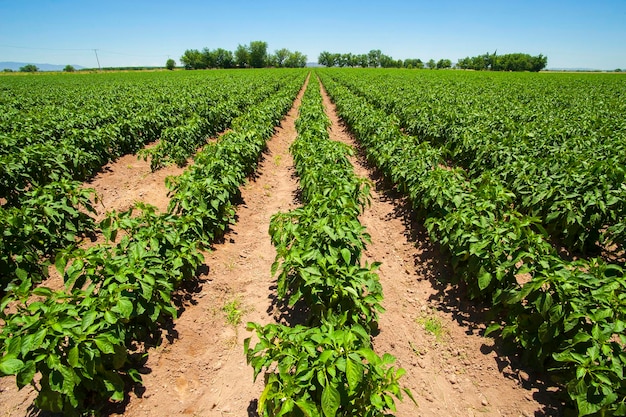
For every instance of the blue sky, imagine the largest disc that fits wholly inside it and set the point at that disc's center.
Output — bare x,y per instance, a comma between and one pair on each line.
589,34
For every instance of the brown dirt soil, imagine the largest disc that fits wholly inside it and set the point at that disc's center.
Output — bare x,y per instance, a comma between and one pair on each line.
129,179
201,369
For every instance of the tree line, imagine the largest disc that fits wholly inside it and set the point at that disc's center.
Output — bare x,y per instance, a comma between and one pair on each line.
254,55
375,58
506,62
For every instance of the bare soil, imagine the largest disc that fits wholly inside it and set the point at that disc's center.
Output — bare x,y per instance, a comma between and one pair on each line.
429,326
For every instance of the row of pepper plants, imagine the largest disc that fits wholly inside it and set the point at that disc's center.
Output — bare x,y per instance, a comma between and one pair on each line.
83,346
55,138
568,317
558,141
53,210
325,367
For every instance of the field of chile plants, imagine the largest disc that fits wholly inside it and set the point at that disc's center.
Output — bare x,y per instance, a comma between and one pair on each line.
519,178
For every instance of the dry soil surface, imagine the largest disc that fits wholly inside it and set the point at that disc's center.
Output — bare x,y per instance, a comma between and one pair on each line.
429,326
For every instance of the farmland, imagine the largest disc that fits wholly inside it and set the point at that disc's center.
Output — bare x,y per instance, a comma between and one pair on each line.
513,182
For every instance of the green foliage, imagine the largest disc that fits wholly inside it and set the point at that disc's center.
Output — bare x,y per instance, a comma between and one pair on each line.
375,58
192,59
258,54
170,64
49,218
329,371
29,68
254,55
75,341
568,317
506,62
242,56
69,68
233,312
82,340
328,368
444,63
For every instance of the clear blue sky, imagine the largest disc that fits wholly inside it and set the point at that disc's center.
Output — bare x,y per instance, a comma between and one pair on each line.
589,34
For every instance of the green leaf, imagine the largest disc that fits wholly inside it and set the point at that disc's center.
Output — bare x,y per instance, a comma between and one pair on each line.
124,307
370,355
104,344
73,357
10,366
42,292
26,374
263,399
484,278
330,401
345,254
88,319
110,317
60,262
308,408
493,327
354,373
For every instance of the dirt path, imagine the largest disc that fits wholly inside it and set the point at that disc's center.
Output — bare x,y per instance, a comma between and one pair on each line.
129,179
203,372
451,369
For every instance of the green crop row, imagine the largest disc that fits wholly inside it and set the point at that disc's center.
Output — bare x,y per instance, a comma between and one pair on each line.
60,140
569,317
556,141
326,367
47,218
87,341
51,218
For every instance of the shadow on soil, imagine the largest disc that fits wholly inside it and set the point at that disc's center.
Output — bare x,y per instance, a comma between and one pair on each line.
184,297
451,298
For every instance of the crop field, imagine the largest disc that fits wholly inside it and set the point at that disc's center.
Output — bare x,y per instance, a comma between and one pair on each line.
506,189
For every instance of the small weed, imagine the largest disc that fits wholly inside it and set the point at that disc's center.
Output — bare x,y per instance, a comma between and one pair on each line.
417,350
277,160
233,312
433,325
230,265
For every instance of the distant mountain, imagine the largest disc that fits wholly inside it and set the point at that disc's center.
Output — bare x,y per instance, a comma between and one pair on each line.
574,69
15,66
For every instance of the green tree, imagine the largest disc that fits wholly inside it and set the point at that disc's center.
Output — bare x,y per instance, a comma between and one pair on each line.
192,59
413,63
431,64
208,58
296,60
506,62
29,68
242,56
348,60
327,59
538,62
362,60
373,58
444,63
258,54
386,61
280,57
69,68
223,58
170,64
